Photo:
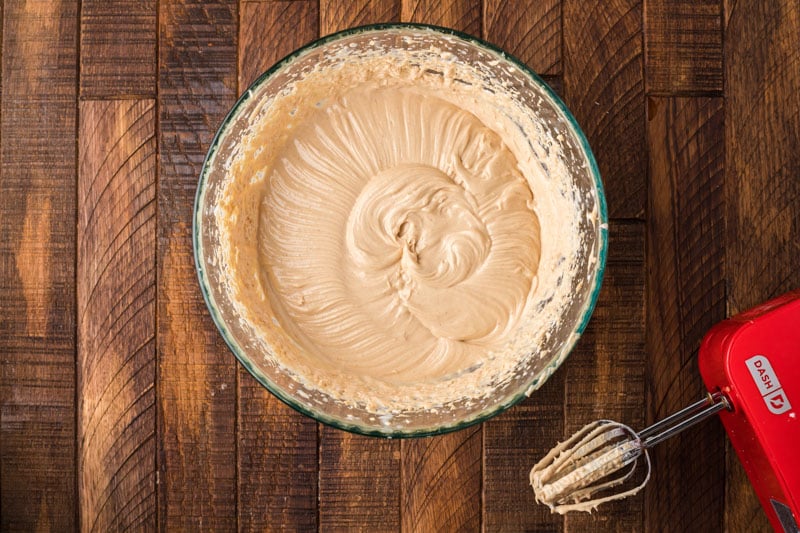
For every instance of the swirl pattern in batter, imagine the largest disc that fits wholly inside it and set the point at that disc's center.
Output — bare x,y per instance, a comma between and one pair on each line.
397,236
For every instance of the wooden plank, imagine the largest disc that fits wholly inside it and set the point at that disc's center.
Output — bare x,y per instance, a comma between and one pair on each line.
530,31
605,375
442,482
604,88
686,296
277,475
359,477
762,192
37,244
335,16
462,15
441,476
358,482
513,443
196,373
269,31
278,465
516,440
683,46
118,48
116,314
556,83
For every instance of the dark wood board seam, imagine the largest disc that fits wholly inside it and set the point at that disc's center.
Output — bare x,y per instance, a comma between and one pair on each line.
686,93
76,459
156,352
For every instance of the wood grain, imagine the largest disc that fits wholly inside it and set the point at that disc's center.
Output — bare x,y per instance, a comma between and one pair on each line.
359,482
335,15
686,297
269,31
430,497
37,246
762,158
277,450
727,9
118,48
762,192
604,89
196,373
116,315
556,83
277,473
605,375
120,406
513,443
531,31
683,46
442,482
462,15
516,440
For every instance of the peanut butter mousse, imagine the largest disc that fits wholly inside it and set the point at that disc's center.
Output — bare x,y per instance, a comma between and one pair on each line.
387,232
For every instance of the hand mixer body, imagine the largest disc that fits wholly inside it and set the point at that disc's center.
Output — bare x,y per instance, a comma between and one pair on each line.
754,359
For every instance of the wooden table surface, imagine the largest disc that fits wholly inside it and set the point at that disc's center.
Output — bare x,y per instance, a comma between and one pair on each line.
123,409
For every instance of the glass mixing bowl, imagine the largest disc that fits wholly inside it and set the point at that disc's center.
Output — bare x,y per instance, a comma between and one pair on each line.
534,95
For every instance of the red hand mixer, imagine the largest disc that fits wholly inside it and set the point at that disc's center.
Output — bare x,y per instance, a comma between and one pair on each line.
751,366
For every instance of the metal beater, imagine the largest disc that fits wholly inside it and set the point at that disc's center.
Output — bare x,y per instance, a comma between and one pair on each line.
582,472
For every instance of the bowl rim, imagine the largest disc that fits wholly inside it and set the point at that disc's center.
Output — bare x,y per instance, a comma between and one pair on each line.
375,431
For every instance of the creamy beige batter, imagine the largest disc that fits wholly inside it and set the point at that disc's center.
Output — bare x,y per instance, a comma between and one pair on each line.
399,235
594,466
386,233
